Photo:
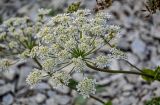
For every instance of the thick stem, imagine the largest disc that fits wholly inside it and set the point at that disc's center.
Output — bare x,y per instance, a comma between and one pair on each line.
118,71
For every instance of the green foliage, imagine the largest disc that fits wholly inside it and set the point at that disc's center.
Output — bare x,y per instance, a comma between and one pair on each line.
154,101
73,7
54,12
149,72
1,19
108,103
80,100
72,84
155,73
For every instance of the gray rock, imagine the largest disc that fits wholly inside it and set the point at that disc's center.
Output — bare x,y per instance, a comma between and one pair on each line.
128,87
7,99
40,98
132,58
2,82
62,99
123,44
27,101
51,101
78,76
139,48
24,72
155,32
51,93
6,88
42,86
126,94
63,89
10,74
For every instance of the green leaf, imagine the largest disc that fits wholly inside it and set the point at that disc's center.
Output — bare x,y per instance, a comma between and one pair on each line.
72,84
157,73
1,19
100,88
153,101
149,72
73,7
80,100
108,103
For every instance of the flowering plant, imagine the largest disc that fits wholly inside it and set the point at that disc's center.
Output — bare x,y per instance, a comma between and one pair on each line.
68,39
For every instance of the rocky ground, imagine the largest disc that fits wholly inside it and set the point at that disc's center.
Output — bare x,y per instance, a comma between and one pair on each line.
140,39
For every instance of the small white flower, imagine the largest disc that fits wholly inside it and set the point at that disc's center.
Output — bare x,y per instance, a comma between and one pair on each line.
102,61
5,63
86,87
9,22
43,11
43,51
59,79
33,52
79,64
113,28
34,77
63,55
118,54
103,15
13,44
25,54
84,47
48,64
61,18
2,35
84,12
98,30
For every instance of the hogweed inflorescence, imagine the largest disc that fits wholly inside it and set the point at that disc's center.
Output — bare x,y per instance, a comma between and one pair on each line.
69,39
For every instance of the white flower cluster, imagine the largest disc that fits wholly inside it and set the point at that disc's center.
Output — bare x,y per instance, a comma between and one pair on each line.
72,39
34,77
66,39
59,79
86,87
18,34
5,63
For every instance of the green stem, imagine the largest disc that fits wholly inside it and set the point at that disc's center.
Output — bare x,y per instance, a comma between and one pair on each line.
118,71
132,65
38,63
97,98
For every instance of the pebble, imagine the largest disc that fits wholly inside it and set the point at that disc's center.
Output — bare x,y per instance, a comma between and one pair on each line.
62,99
24,72
128,87
42,86
40,98
139,47
10,74
2,82
8,99
51,101
6,88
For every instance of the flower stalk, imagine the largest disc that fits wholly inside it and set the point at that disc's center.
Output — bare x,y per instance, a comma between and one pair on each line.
118,71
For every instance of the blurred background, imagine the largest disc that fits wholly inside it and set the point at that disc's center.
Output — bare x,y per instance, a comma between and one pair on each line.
140,40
